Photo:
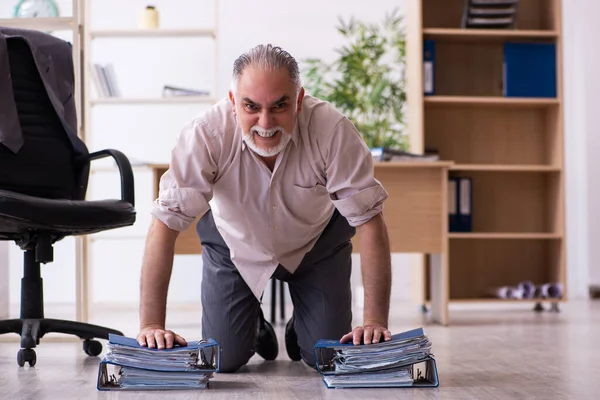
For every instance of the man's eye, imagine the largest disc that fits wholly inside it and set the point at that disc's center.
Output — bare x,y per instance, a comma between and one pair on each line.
280,106
251,107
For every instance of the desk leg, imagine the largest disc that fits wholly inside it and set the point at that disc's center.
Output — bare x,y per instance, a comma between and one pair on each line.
439,288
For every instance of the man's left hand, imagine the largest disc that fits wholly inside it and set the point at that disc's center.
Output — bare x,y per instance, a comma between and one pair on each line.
370,333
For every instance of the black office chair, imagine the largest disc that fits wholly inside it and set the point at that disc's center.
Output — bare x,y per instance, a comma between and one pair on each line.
42,201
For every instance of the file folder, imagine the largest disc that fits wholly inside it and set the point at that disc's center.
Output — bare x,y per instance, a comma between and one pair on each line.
129,366
465,208
404,361
453,225
428,67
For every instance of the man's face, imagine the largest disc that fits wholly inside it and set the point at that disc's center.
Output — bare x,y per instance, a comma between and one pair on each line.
266,103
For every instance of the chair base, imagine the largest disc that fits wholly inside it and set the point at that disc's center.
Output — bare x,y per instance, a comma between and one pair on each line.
32,330
32,325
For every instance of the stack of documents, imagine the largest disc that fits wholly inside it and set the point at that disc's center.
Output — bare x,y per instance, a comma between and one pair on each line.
404,361
129,366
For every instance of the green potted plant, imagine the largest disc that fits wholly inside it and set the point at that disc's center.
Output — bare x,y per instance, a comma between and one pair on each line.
366,80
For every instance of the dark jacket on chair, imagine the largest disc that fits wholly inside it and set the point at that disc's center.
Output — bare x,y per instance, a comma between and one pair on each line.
54,61
38,118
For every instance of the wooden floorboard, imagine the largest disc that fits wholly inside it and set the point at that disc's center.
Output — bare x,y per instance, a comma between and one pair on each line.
495,354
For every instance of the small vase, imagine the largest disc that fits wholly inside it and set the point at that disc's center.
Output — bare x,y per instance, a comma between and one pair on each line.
149,18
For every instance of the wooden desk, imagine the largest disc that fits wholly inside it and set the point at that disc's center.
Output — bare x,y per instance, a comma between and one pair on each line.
416,214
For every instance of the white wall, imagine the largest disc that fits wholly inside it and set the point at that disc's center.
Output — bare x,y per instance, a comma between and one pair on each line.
144,65
586,101
582,141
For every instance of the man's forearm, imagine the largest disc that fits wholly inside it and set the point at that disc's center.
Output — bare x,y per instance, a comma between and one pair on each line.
376,270
156,273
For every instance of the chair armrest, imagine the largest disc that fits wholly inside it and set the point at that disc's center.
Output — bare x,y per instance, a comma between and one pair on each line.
125,170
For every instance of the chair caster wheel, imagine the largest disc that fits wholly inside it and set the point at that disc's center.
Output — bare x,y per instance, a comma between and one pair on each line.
26,355
92,347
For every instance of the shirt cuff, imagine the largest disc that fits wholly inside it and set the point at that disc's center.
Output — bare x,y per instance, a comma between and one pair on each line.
178,208
362,205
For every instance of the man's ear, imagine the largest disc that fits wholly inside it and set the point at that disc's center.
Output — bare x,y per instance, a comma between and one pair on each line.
232,99
300,98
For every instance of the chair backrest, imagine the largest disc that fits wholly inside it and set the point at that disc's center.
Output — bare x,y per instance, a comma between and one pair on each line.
45,165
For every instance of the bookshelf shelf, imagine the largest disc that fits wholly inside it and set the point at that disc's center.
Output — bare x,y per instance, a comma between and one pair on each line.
503,235
491,101
151,100
510,301
505,168
510,149
486,35
51,24
152,33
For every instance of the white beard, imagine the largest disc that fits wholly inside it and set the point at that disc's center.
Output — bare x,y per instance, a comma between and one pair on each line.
284,139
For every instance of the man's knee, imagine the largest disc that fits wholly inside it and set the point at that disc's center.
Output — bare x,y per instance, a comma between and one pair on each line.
234,359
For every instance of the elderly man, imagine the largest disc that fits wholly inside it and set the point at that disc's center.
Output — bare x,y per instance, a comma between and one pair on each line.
282,181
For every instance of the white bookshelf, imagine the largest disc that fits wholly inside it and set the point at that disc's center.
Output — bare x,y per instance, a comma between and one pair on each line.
92,34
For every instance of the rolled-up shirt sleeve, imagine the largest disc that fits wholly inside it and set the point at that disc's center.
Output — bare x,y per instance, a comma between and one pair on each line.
187,187
355,192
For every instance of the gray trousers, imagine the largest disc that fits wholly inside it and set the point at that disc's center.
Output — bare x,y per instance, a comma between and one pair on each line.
320,291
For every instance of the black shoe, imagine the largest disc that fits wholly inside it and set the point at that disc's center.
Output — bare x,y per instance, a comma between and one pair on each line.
266,343
291,341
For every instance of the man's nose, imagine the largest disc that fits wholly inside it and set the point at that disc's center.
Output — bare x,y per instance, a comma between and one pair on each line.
265,120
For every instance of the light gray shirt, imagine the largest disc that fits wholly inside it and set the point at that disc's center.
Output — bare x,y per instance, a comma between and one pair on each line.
269,218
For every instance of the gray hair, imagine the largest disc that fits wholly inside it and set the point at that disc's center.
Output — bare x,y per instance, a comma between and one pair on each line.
267,57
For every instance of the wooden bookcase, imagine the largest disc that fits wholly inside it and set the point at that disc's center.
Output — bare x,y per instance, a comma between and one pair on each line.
511,148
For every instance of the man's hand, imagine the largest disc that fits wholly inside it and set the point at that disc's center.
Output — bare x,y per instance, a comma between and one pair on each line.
369,333
157,336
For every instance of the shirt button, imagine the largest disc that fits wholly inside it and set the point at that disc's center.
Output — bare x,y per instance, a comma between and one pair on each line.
274,207
275,227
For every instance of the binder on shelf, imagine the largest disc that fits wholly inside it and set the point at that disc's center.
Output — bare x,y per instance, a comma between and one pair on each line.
428,67
404,361
129,366
529,70
465,204
453,205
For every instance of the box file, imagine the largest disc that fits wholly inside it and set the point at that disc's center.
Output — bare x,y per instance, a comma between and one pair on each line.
529,70
129,366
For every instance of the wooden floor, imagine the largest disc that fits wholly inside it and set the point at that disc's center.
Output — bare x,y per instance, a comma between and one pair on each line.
497,354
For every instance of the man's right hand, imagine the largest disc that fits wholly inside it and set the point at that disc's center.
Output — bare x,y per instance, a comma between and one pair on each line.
158,337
